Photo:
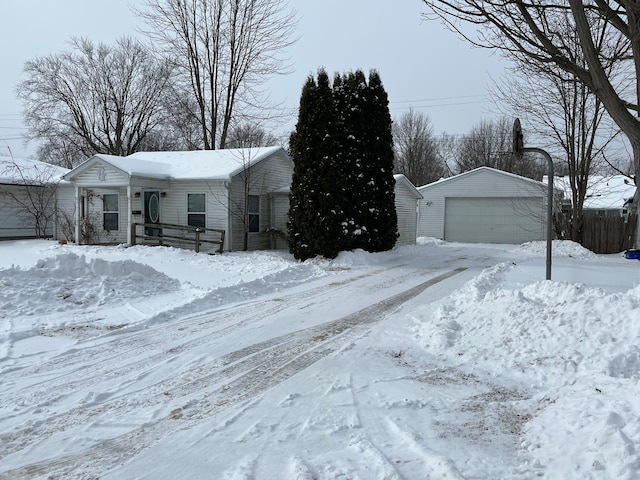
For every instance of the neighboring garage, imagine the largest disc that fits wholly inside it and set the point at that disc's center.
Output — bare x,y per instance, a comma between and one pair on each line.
27,191
483,206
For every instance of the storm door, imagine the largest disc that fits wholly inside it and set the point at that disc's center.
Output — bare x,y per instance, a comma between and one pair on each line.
152,212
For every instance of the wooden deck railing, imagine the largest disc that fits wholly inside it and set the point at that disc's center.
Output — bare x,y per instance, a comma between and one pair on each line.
176,235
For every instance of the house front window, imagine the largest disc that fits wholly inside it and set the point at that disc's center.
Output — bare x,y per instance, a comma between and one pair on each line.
253,210
196,206
110,212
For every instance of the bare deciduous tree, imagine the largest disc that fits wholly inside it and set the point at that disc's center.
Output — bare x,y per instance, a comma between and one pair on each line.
222,51
489,144
250,135
609,67
94,98
58,151
416,149
569,119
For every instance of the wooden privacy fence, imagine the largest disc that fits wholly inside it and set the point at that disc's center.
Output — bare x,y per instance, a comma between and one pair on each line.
176,235
608,234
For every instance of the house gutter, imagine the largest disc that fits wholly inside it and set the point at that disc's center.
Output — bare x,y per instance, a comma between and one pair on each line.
228,237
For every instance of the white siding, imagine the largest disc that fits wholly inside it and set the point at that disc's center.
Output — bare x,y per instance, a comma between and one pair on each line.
15,222
103,175
173,205
280,217
480,183
271,174
95,216
406,210
65,212
15,205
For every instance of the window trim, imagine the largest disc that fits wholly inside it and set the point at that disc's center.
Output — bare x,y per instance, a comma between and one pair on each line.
194,213
106,212
252,215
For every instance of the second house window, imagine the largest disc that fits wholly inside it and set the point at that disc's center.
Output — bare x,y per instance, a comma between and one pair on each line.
253,209
196,216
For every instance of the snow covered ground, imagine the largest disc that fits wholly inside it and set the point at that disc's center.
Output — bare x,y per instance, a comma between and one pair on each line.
431,361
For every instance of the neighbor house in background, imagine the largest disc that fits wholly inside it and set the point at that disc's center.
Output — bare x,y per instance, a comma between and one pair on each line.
484,205
231,190
606,195
28,198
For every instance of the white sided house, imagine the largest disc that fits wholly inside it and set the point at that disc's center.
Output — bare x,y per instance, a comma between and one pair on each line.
120,199
406,199
605,196
484,205
28,198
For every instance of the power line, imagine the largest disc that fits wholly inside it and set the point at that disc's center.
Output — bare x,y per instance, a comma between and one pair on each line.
458,97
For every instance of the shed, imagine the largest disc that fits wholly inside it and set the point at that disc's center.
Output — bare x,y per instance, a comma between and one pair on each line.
484,205
28,197
406,200
228,190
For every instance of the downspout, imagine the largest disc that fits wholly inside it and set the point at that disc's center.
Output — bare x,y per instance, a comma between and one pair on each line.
228,237
129,214
78,206
55,215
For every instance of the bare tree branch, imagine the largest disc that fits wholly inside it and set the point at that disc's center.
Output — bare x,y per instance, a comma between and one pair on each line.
97,98
222,51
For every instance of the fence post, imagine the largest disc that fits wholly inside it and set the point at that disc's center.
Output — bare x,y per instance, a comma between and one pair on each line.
198,239
133,233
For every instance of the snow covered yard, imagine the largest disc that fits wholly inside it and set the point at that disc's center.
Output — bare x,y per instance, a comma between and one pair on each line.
432,361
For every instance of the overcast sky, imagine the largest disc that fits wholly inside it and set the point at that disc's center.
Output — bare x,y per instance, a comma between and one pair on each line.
421,64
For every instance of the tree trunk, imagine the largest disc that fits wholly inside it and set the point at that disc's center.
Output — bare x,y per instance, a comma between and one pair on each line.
636,162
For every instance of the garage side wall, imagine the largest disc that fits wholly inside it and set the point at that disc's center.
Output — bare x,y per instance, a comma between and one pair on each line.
406,210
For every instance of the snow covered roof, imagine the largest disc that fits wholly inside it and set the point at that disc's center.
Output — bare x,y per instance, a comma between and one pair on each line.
24,171
400,178
475,171
602,192
186,165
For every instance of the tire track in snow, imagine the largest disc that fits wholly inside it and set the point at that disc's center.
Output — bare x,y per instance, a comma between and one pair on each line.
100,359
246,375
95,368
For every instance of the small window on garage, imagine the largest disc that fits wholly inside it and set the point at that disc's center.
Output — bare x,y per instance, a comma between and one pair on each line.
196,210
253,209
110,212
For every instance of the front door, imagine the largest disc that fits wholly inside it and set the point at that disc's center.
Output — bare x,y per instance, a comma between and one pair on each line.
152,212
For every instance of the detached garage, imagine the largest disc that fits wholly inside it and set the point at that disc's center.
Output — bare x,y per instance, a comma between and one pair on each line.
28,198
484,205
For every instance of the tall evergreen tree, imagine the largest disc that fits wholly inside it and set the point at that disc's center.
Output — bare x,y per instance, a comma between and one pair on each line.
349,93
342,193
382,219
313,226
366,160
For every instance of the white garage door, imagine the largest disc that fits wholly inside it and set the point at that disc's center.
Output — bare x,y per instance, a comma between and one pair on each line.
494,220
